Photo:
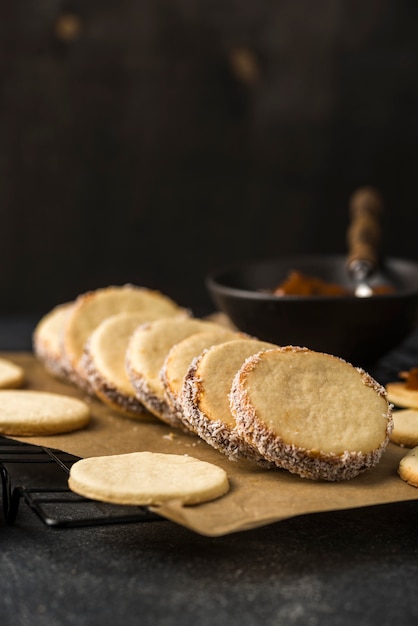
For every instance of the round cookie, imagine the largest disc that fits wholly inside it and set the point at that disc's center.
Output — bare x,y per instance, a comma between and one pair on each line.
47,340
30,413
103,361
180,357
12,376
405,428
311,413
204,396
408,467
400,395
93,307
147,351
148,478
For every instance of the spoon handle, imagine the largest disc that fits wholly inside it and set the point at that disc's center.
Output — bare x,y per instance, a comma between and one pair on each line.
364,232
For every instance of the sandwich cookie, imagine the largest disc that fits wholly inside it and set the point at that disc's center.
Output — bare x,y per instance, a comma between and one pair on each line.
47,340
181,355
91,308
103,362
205,397
147,351
311,413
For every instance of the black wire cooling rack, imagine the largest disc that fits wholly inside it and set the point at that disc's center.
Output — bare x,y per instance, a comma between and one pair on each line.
38,477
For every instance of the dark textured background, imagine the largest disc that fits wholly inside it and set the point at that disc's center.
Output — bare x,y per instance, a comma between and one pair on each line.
150,141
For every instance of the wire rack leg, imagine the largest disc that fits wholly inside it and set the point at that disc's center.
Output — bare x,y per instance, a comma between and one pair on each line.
11,497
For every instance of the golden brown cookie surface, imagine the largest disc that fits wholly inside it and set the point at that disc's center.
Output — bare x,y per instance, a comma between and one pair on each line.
91,308
12,376
400,395
205,396
408,467
148,478
147,351
103,361
405,428
25,412
182,354
311,413
47,339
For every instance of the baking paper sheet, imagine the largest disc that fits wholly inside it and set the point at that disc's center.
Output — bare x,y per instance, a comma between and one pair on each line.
257,496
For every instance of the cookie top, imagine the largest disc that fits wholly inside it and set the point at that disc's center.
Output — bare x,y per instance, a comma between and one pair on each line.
103,360
148,478
182,354
311,413
93,307
205,394
408,467
47,339
12,376
29,413
147,351
405,428
400,395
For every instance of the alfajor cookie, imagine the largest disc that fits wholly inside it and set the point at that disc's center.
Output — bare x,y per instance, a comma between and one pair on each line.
405,428
30,413
205,392
91,308
311,413
12,376
47,340
148,478
103,361
145,356
181,355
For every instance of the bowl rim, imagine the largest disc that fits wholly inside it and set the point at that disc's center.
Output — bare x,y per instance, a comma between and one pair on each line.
214,282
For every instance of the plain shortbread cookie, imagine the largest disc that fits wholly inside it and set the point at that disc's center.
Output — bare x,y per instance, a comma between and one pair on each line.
405,428
148,478
29,413
400,395
12,376
408,467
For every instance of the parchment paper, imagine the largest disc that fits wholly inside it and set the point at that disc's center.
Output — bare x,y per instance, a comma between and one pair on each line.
257,497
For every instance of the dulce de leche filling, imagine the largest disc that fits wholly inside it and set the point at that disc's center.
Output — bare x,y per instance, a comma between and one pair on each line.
300,284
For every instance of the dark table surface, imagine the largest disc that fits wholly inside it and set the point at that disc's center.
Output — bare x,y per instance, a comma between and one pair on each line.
358,566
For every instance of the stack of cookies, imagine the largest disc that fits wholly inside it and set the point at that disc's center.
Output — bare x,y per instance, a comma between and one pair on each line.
312,414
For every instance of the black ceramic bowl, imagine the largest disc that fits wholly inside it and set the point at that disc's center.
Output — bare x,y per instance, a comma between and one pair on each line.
359,330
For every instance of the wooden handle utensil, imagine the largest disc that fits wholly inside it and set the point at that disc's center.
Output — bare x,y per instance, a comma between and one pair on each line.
363,237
